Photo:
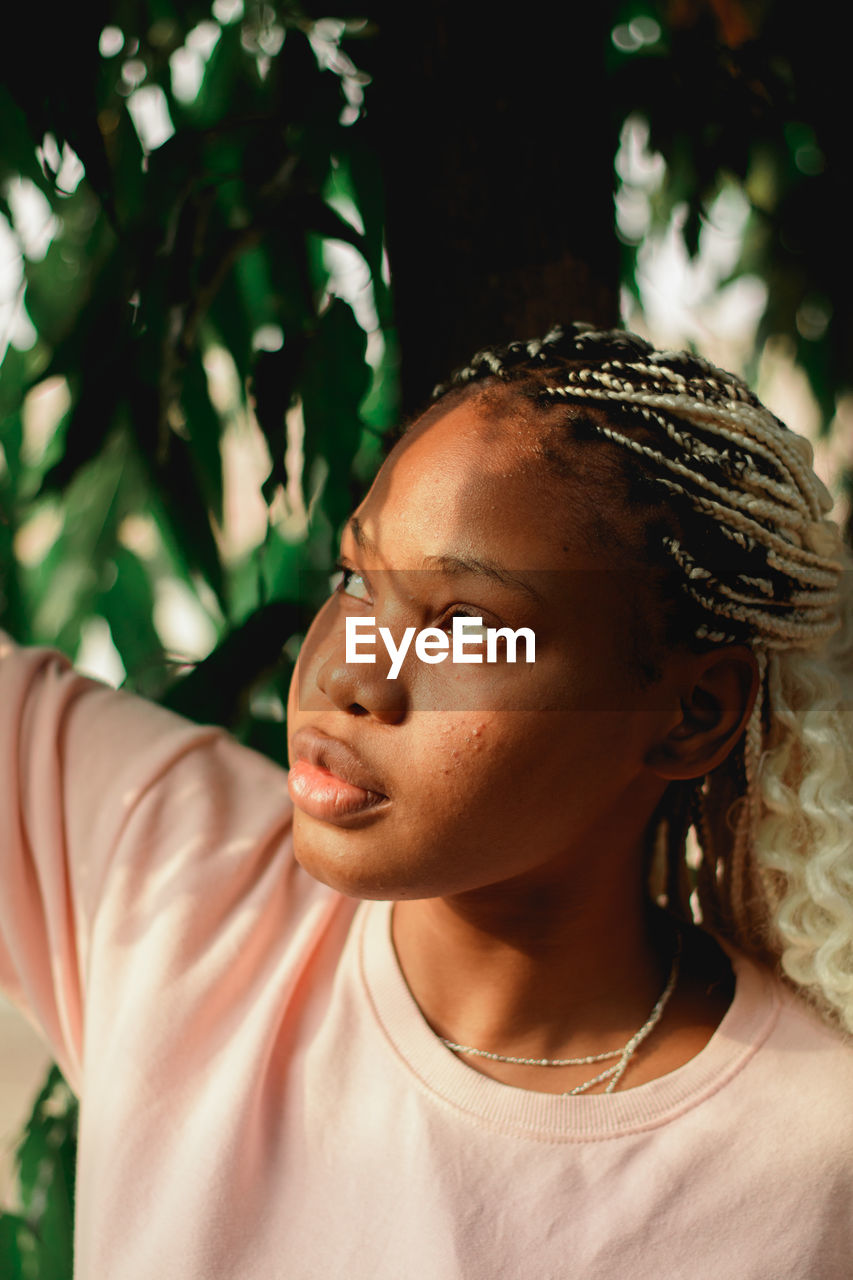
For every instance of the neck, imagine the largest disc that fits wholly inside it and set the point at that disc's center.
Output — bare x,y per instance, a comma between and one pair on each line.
529,969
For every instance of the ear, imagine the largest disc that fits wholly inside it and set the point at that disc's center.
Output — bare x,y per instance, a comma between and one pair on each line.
716,692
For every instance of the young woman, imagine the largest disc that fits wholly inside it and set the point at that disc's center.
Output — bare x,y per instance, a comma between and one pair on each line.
485,1034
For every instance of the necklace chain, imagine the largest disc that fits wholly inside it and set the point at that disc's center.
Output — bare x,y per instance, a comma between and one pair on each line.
612,1074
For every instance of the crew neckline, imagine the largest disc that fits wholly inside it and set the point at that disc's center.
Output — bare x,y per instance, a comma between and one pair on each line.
590,1117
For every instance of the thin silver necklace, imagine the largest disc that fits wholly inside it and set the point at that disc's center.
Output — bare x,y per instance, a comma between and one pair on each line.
624,1055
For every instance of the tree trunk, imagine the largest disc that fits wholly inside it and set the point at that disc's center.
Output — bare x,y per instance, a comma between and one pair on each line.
497,144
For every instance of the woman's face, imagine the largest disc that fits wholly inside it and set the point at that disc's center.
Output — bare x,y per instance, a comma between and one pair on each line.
457,777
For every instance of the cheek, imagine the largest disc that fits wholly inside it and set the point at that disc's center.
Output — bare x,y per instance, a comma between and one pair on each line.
463,749
454,785
473,773
317,646
478,808
520,767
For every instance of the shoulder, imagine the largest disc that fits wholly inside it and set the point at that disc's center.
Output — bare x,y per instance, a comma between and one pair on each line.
799,1077
797,1032
804,1043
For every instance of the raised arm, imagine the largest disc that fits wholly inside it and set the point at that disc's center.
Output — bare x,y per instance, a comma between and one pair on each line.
129,838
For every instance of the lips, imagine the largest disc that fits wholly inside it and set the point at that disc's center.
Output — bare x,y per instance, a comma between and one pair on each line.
327,780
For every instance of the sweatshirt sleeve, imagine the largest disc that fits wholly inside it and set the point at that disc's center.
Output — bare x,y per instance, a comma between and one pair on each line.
122,824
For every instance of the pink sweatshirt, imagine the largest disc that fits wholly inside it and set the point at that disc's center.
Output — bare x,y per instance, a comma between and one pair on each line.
262,1099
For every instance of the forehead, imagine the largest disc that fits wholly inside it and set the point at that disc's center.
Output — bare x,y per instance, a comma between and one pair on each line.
517,495
507,476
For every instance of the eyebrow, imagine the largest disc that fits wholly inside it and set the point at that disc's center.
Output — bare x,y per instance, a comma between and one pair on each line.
454,564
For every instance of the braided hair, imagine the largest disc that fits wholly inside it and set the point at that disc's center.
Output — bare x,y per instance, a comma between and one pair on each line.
737,520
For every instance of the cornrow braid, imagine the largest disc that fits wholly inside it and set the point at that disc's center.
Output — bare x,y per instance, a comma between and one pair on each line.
739,519
717,452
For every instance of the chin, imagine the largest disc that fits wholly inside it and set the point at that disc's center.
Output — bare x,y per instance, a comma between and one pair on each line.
358,867
331,857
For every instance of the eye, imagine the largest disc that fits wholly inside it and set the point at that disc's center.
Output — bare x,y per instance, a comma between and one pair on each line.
349,582
458,611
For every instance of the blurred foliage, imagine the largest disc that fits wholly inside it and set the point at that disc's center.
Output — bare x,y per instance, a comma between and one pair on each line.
178,190
754,92
36,1242
169,261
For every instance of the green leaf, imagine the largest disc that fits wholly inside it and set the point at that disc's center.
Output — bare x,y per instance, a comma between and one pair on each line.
228,79
128,606
217,690
65,584
330,405
275,378
359,168
46,1171
186,509
13,1229
204,429
18,152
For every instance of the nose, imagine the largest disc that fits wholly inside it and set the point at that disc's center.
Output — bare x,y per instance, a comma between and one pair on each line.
324,676
351,689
